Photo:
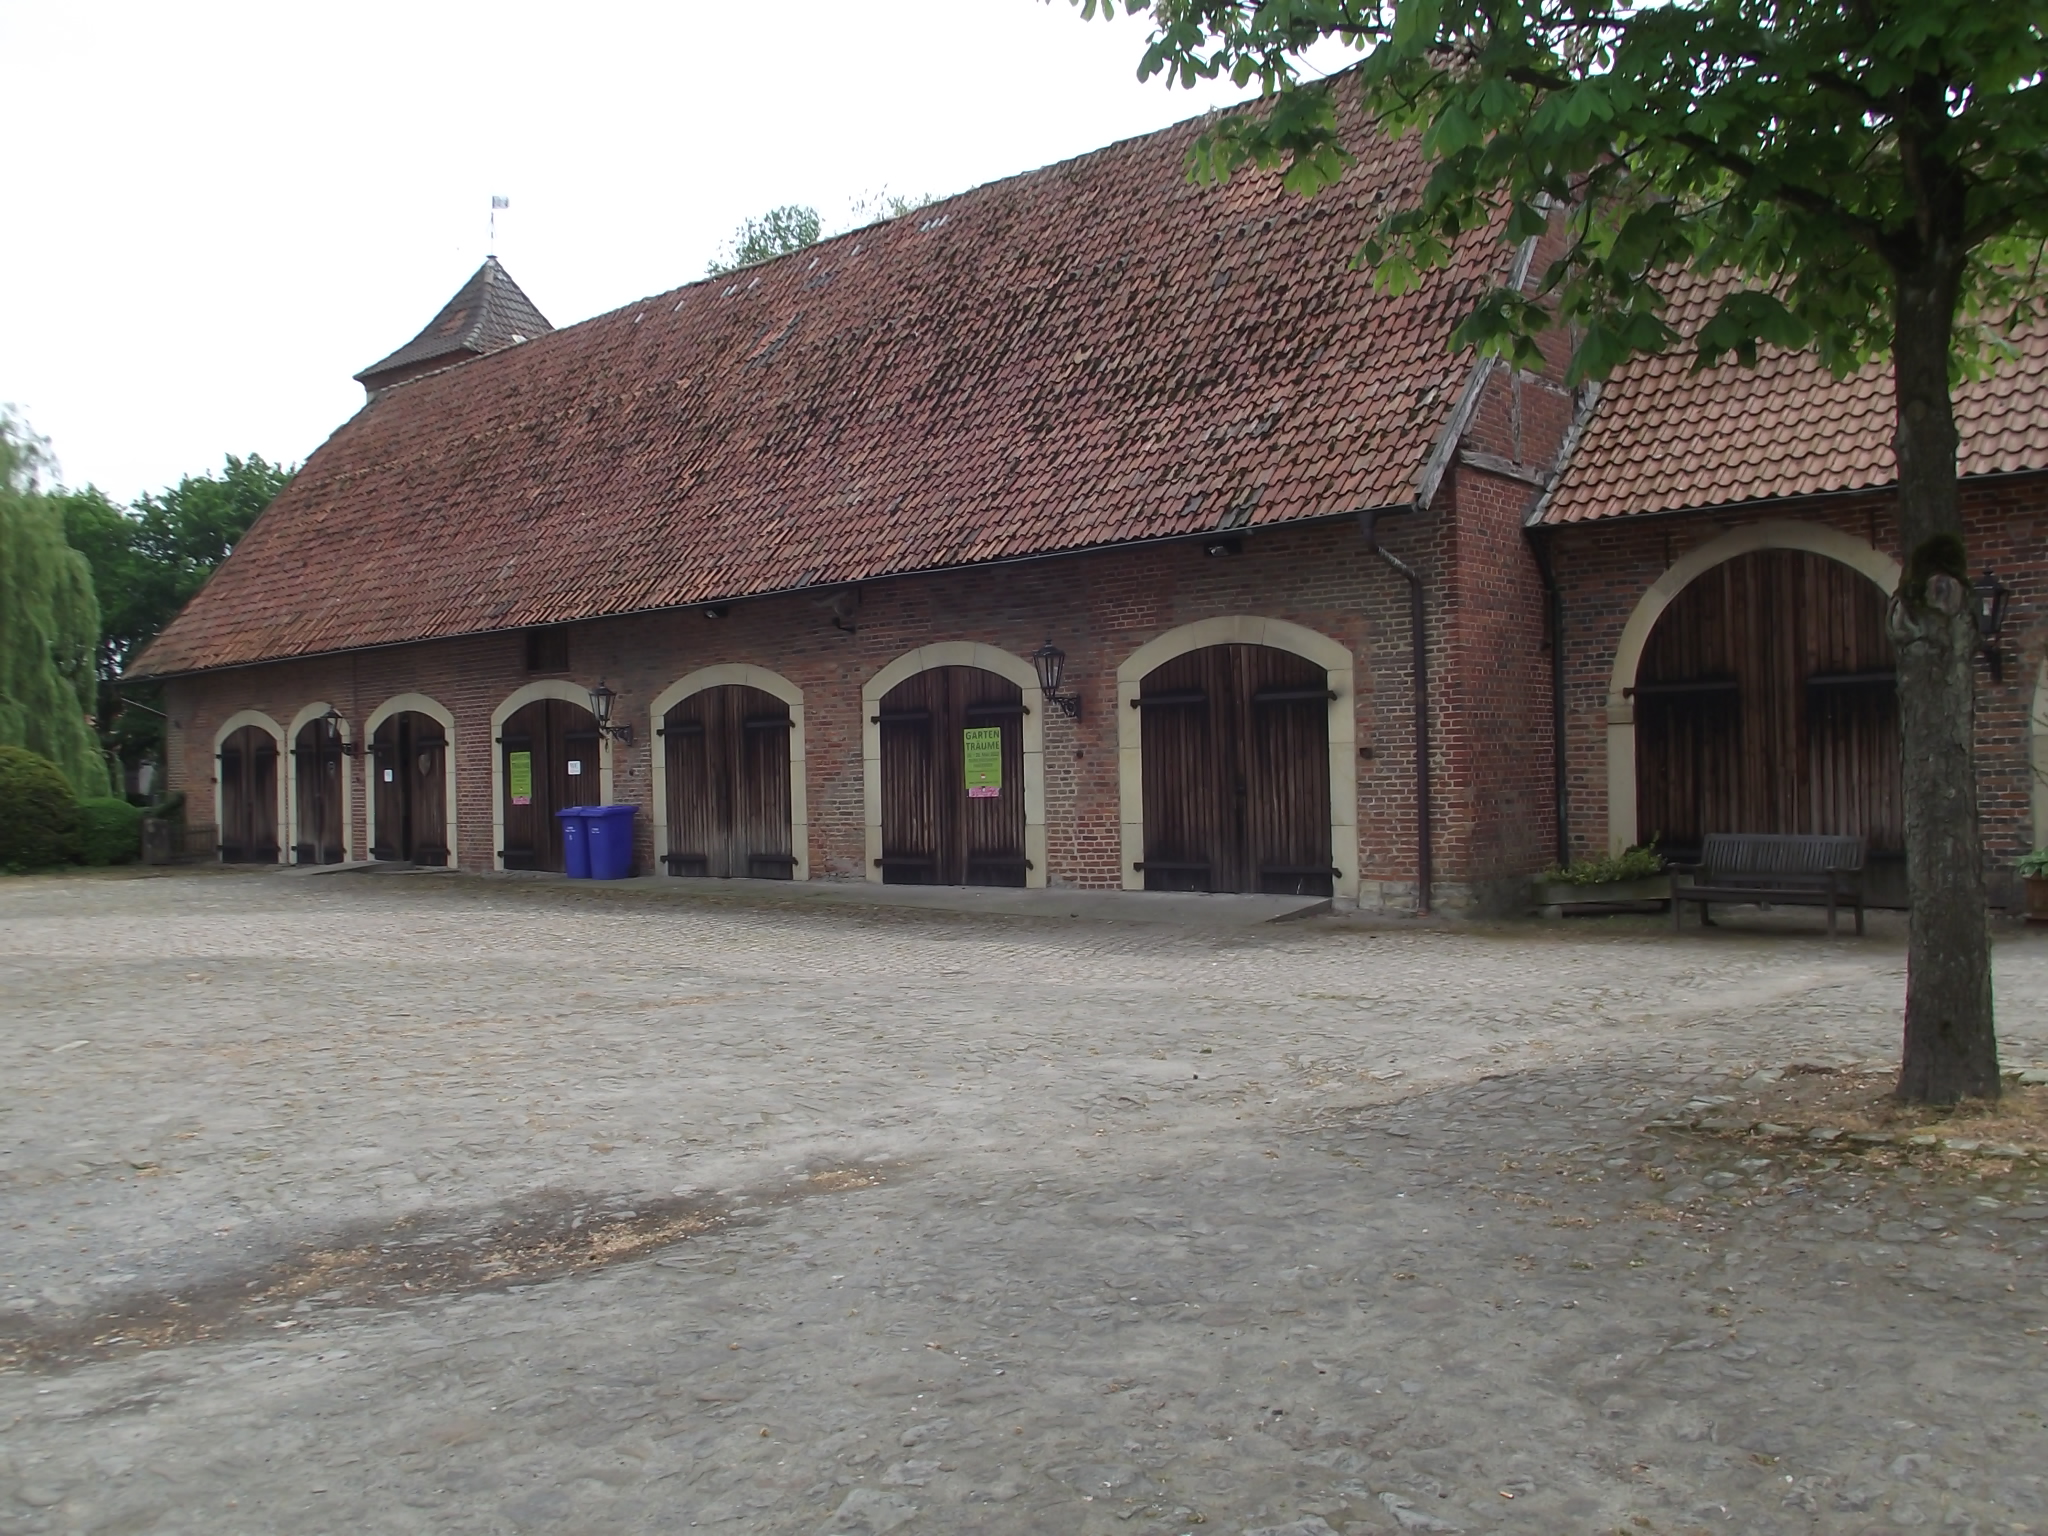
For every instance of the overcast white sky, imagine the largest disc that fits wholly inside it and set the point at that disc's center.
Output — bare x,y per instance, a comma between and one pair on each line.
219,212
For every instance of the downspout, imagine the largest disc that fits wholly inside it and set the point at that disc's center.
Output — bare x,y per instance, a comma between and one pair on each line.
1539,549
1418,643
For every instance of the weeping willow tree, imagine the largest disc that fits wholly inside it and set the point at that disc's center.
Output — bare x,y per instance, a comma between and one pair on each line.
49,623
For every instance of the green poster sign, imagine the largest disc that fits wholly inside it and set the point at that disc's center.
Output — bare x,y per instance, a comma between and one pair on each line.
983,746
519,777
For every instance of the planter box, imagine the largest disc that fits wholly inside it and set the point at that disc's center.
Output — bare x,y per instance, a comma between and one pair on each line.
2037,899
1555,898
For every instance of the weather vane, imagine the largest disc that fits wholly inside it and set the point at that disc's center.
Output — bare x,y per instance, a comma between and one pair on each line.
497,202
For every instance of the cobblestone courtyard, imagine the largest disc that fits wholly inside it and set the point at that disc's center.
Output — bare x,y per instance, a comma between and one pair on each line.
901,1221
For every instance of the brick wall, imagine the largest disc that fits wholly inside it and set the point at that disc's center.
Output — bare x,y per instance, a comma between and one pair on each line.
1604,569
1489,688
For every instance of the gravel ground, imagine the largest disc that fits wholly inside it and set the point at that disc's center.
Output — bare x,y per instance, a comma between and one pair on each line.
366,1203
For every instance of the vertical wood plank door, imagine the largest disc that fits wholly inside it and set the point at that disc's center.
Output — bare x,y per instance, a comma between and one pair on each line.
409,772
248,797
1237,772
562,741
316,764
727,752
1765,702
933,832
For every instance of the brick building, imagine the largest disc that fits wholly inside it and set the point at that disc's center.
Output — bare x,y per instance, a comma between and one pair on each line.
811,536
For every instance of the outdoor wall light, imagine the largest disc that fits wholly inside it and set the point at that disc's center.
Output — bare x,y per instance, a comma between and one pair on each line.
716,611
601,699
331,725
1051,663
1218,548
1992,597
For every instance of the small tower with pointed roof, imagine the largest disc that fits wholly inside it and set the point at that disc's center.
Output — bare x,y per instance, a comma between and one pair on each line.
488,314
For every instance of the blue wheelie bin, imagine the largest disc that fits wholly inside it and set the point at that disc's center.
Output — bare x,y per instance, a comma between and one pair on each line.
609,833
575,841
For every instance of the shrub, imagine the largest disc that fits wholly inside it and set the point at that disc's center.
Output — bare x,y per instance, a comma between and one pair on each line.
109,831
1634,864
38,814
2034,865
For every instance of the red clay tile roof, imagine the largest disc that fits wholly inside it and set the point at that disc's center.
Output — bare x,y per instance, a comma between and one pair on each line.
1093,353
1662,439
488,312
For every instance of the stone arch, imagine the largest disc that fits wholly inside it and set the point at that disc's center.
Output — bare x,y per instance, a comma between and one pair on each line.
1782,533
513,702
743,675
419,704
956,653
1333,656
227,728
300,721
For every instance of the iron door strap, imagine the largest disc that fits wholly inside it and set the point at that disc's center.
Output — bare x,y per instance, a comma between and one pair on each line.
1180,698
1295,696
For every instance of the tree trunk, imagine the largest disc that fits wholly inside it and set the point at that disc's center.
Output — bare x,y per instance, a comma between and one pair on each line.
1951,1049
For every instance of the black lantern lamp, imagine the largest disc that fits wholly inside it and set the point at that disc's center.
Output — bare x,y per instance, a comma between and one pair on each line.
1992,597
330,724
601,699
1051,663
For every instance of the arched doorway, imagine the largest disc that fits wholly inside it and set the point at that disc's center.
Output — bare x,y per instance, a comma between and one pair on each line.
1237,772
729,760
952,779
248,790
318,789
1237,744
549,758
1764,701
409,789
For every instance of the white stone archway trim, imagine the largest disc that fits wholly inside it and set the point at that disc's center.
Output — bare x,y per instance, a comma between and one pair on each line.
228,727
957,653
1781,533
1332,656
418,704
518,699
289,853
727,674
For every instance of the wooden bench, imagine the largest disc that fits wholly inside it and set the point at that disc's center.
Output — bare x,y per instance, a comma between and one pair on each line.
1781,869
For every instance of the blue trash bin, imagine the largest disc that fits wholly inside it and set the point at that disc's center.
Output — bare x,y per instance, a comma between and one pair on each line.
575,841
609,833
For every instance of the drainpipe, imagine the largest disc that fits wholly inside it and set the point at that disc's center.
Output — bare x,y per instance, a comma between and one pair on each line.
1539,549
1418,642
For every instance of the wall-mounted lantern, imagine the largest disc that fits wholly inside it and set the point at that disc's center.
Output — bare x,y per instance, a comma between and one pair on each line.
1992,597
1051,663
601,700
330,727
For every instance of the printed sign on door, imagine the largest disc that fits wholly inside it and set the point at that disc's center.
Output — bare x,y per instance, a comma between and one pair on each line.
983,746
519,777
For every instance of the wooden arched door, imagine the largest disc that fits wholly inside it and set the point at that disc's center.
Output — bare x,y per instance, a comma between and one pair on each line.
316,770
1766,702
549,761
409,789
953,779
248,797
1237,772
727,755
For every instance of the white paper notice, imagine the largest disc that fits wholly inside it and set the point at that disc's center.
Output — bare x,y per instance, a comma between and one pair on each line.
575,767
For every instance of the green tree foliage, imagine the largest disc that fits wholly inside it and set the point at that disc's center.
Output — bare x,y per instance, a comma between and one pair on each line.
1868,179
148,563
49,624
38,812
775,233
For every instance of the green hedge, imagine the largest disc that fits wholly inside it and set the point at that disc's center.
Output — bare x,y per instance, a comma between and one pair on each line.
109,831
38,813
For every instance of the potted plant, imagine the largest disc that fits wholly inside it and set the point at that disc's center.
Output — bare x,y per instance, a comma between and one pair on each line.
1631,881
2033,868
